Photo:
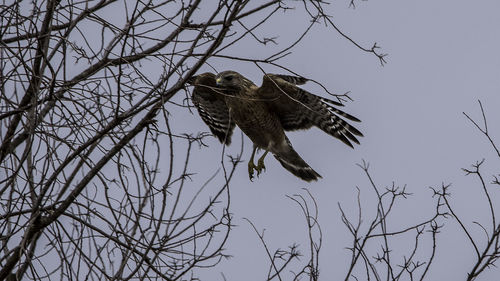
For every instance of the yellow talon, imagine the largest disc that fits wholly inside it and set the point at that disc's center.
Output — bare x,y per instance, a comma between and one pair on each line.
251,167
260,164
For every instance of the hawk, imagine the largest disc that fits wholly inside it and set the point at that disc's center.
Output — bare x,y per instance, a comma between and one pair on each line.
264,114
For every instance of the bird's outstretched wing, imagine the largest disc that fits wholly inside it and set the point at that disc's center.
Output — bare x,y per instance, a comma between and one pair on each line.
212,107
297,80
299,109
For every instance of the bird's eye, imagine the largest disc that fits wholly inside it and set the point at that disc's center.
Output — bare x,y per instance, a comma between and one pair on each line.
228,78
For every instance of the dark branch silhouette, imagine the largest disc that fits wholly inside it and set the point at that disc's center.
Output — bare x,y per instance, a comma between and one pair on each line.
95,183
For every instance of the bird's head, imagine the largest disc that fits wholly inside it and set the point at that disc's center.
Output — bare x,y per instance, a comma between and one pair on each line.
229,80
206,79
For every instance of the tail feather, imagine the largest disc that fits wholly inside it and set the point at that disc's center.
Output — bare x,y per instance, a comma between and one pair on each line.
291,161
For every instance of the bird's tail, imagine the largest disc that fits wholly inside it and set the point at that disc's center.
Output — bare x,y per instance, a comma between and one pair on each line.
291,161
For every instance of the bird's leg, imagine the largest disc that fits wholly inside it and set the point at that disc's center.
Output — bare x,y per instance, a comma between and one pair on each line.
251,165
260,163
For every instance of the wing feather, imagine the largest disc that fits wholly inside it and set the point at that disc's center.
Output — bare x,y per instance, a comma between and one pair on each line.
212,107
299,109
297,80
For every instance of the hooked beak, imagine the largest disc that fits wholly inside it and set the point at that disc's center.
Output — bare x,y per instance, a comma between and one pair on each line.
217,81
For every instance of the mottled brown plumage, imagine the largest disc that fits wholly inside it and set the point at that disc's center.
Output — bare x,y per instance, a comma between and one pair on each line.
265,113
212,106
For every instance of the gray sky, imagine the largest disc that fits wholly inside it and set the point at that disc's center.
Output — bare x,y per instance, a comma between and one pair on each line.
443,57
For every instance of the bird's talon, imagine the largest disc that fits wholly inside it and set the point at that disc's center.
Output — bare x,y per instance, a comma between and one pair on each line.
260,166
259,171
251,168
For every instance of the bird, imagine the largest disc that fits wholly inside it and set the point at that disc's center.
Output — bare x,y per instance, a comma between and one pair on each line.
264,114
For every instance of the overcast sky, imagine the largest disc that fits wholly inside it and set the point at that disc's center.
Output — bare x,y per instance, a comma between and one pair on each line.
443,57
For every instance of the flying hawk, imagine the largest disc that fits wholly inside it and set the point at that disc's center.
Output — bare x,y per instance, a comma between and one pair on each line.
265,113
